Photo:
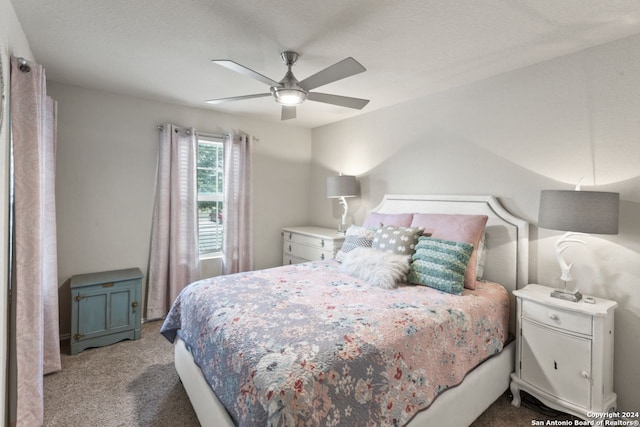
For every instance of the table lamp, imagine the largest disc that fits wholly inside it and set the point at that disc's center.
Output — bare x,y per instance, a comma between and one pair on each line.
340,187
577,212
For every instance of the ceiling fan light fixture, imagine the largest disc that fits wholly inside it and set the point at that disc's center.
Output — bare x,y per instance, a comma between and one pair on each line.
288,96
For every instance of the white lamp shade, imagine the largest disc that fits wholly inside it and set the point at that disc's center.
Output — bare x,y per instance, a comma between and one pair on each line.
342,186
579,211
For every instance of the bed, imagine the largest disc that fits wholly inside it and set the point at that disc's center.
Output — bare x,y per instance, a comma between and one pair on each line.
335,361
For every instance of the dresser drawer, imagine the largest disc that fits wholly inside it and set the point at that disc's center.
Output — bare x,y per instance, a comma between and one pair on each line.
557,318
313,241
288,259
310,253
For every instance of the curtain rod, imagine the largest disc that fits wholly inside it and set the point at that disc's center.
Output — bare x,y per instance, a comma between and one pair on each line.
206,135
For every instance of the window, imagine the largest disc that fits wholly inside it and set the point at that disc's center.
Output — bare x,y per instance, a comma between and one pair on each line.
210,195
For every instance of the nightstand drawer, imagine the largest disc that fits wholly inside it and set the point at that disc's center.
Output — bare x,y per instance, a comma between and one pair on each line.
557,318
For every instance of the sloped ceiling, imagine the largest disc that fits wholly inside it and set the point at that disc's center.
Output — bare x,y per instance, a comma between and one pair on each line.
162,49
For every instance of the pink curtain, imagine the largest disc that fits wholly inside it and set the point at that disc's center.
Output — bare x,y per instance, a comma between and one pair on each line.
174,259
34,272
237,245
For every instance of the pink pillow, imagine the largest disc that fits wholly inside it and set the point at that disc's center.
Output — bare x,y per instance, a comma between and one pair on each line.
375,219
458,228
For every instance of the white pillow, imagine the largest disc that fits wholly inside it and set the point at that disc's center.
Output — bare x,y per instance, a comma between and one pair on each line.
383,269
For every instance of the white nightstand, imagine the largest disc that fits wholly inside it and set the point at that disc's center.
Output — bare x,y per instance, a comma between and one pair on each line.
564,353
302,244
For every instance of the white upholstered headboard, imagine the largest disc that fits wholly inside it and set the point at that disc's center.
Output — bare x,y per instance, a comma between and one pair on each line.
507,237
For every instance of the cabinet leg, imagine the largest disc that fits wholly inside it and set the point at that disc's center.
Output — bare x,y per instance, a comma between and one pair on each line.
515,391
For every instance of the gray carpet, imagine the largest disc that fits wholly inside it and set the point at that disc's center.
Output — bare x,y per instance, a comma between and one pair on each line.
134,383
131,383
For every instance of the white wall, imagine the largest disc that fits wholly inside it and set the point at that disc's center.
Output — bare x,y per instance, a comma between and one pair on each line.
541,127
106,168
12,42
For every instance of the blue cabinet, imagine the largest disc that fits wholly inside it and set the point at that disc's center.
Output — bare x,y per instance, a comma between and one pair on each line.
105,308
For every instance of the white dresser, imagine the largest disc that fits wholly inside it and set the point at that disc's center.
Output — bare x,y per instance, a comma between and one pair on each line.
564,353
308,243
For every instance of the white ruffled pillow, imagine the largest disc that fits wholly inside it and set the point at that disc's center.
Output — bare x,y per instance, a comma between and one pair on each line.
383,269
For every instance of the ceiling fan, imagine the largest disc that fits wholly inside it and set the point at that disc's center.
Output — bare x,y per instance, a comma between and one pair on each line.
290,92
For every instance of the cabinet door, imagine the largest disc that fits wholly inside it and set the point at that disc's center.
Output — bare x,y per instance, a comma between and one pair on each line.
557,363
105,310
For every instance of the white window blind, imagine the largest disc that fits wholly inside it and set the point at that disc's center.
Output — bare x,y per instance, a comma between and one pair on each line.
210,195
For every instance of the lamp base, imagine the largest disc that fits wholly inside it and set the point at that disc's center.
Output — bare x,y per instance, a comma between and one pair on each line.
342,228
573,296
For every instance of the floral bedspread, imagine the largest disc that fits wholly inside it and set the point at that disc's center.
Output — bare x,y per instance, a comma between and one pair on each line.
306,344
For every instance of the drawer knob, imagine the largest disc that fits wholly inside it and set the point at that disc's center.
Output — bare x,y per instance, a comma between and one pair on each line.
322,256
289,248
322,243
585,374
554,316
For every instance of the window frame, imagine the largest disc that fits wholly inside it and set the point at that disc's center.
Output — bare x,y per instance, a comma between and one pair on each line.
218,196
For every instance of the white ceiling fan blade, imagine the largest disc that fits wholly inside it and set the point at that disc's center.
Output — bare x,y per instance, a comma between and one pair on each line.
288,112
343,101
236,98
246,71
345,68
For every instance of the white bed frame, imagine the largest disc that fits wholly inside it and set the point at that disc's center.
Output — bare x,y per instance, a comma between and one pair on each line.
507,263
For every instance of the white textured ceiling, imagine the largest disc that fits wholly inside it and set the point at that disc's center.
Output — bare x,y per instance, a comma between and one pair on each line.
162,49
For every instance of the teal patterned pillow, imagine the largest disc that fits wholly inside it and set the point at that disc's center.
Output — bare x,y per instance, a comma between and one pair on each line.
440,264
399,240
